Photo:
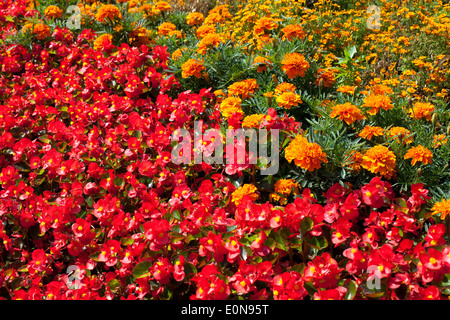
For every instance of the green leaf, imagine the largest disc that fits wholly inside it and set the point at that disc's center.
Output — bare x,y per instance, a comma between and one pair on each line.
306,224
141,270
351,290
114,284
119,182
317,242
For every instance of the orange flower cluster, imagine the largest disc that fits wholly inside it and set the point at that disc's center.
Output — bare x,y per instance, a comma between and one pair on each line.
400,134
375,102
419,153
292,31
53,12
102,41
288,99
108,12
192,67
230,106
243,89
442,208
306,155
347,112
379,159
41,31
264,23
325,78
253,121
247,190
195,18
209,41
294,64
422,110
283,188
370,131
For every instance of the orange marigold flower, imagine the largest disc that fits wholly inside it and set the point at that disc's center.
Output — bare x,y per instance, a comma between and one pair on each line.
379,159
376,102
248,190
294,64
382,89
264,23
53,12
41,31
192,67
230,106
346,89
439,140
204,30
355,160
288,99
369,131
244,88
163,6
209,41
213,18
195,18
421,110
326,77
253,121
347,112
306,155
285,87
419,153
442,208
166,28
292,31
283,188
108,12
261,63
400,134
102,41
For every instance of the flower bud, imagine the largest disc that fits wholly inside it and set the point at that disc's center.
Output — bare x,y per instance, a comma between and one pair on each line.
274,79
448,130
419,172
434,119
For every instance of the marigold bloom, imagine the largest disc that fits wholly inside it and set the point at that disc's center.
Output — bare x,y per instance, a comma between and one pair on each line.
346,89
421,110
204,30
376,102
230,106
400,134
248,190
306,155
108,12
382,89
194,18
326,77
264,23
209,41
439,140
163,6
283,188
261,63
288,99
192,67
294,64
369,131
442,207
347,112
419,153
355,160
102,41
53,12
379,159
253,121
244,88
292,31
285,87
166,28
41,31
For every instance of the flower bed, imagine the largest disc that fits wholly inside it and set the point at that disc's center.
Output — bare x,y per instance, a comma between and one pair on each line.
98,200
